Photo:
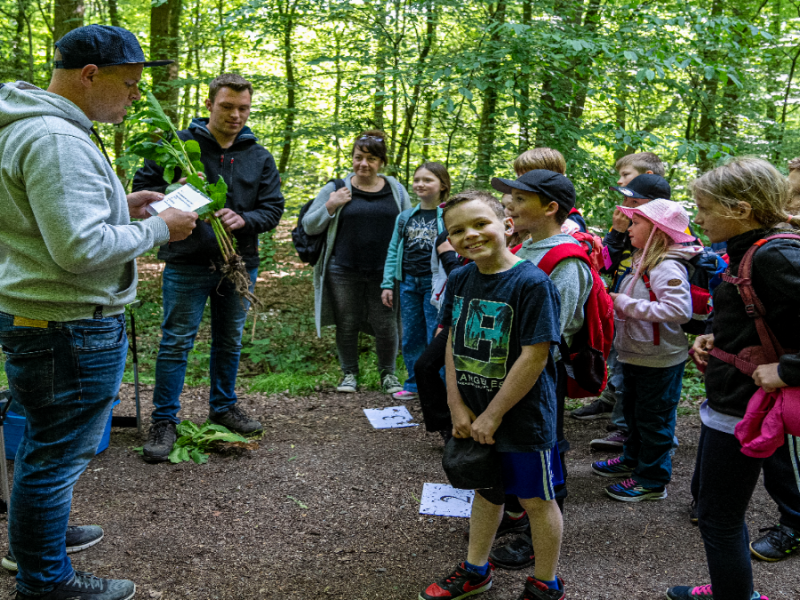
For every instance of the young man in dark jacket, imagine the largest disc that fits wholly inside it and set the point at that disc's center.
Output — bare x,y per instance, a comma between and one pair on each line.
192,274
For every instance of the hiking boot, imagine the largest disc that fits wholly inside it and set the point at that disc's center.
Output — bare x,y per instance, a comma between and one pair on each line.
159,442
598,409
693,518
85,586
461,583
348,384
613,441
630,491
517,554
510,524
78,538
536,590
611,468
702,592
390,384
236,420
779,543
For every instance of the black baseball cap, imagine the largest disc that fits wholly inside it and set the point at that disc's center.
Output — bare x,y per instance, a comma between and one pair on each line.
553,186
646,186
101,45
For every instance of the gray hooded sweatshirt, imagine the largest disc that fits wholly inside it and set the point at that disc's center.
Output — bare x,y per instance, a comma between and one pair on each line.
66,241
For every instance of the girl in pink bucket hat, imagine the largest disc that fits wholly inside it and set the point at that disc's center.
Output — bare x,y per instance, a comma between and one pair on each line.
652,348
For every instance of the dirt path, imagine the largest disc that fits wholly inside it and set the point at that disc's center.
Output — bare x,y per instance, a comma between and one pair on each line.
229,529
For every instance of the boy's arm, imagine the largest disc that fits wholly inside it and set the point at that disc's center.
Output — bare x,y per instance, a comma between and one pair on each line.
460,413
521,378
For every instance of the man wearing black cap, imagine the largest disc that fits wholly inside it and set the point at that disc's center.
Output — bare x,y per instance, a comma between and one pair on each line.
68,270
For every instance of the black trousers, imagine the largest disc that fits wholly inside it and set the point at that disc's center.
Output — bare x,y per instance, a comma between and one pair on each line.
430,387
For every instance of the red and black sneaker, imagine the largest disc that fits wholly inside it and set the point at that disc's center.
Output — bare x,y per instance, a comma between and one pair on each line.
536,590
461,583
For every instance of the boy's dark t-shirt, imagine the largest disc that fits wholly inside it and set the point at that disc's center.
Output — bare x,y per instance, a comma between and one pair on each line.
420,234
492,317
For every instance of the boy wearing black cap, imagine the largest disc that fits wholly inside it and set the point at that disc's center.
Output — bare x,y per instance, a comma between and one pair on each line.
541,201
502,317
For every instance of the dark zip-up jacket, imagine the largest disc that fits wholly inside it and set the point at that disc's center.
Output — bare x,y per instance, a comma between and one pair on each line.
776,280
254,192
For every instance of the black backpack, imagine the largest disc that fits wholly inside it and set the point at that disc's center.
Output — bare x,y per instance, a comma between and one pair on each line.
310,247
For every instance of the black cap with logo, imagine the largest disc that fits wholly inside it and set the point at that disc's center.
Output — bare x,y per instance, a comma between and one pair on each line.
647,186
103,46
553,186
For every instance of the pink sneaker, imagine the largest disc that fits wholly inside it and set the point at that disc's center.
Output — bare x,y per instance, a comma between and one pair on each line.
405,395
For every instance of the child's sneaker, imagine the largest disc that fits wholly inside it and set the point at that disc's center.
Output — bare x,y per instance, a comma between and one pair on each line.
509,524
536,590
612,468
390,384
405,395
599,409
630,491
703,592
461,583
613,442
517,554
348,385
779,543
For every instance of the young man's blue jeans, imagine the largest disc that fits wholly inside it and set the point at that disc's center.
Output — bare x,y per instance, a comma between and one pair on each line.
185,290
650,400
65,376
420,319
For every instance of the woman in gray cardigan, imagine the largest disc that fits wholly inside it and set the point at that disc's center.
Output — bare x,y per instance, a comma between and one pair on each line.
360,220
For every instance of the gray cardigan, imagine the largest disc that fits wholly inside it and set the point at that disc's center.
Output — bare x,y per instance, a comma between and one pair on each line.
315,222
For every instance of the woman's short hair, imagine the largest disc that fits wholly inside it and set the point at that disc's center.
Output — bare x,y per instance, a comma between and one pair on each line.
372,141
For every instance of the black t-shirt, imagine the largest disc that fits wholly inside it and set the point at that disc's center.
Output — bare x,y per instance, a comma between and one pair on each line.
419,236
366,224
492,317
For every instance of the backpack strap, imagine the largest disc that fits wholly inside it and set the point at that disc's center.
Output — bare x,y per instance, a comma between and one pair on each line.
752,304
656,330
558,253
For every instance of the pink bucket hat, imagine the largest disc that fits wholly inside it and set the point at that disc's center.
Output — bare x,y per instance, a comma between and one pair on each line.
666,215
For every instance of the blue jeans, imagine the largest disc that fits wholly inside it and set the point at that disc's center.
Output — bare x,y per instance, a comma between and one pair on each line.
650,400
65,376
186,289
419,322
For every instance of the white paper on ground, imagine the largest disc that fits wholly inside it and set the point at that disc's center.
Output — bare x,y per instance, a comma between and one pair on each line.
187,198
391,417
445,500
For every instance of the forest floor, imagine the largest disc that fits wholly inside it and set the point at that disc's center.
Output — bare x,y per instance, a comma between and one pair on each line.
328,507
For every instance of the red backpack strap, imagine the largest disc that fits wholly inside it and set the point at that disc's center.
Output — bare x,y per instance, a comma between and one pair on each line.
558,253
754,307
656,330
575,211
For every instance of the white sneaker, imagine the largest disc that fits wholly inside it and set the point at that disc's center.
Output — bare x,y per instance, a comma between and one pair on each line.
390,384
348,385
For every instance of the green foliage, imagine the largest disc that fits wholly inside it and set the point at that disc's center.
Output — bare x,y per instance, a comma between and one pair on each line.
195,442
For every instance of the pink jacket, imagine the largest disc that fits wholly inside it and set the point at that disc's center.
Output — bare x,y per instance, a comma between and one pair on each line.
769,417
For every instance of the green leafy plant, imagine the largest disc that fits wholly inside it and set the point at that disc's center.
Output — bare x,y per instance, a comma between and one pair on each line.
160,143
195,442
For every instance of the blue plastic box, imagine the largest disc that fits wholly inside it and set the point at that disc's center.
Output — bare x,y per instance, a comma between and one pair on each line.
15,426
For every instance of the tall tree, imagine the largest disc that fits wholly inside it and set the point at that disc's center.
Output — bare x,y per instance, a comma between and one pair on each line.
488,122
164,44
67,15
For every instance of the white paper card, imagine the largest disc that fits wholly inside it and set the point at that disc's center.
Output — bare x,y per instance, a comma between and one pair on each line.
187,198
388,418
445,501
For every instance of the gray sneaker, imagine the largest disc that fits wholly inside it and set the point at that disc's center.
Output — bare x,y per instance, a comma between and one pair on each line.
78,538
85,586
598,409
236,420
390,384
159,443
348,384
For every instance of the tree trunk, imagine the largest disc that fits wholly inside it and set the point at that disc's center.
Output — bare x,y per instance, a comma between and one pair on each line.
222,40
486,132
591,22
524,84
337,107
707,127
427,126
67,15
119,130
164,42
291,108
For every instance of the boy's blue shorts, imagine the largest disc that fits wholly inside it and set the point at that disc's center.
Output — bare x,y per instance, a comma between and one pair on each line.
532,474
